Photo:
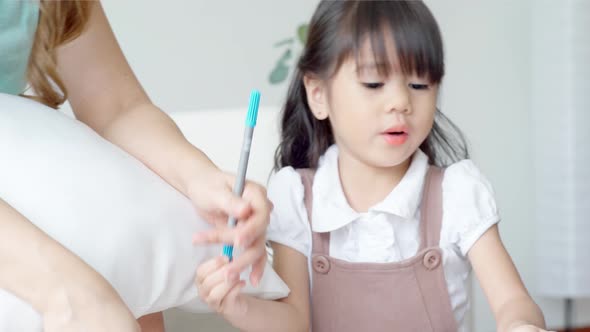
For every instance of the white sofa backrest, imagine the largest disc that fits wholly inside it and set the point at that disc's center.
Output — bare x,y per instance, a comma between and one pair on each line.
219,134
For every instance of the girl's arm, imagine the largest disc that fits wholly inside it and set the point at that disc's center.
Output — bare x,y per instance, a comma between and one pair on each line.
106,95
509,300
67,292
255,315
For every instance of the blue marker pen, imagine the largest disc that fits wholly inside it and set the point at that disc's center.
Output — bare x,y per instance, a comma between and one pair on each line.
243,165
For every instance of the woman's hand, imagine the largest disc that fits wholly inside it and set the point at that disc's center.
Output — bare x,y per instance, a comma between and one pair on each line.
212,194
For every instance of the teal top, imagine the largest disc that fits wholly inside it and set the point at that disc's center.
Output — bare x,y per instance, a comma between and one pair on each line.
18,23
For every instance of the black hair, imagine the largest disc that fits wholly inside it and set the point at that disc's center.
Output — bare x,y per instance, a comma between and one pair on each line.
336,32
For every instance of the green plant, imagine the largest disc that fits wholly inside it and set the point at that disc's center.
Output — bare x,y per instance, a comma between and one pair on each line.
281,69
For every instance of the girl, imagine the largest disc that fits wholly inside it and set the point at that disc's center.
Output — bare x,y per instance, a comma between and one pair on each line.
66,50
378,214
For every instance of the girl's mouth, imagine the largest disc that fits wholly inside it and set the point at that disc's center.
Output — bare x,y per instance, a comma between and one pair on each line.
396,135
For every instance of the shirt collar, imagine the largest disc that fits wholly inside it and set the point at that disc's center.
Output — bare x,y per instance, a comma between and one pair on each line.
331,209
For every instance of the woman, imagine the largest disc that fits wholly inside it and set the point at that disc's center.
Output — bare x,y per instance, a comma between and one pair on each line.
66,50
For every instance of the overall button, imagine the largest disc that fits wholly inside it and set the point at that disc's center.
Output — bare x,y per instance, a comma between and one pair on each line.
320,264
432,259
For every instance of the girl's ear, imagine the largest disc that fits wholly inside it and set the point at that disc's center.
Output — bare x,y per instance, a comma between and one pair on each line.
317,97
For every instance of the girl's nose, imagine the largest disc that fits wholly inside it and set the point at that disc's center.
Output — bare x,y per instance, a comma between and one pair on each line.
399,99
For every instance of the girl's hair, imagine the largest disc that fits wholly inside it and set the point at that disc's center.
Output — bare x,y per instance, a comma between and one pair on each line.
59,23
336,32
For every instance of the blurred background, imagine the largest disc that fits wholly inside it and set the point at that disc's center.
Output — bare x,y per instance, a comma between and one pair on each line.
517,84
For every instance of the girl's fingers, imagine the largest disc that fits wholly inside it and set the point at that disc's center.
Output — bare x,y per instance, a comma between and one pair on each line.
212,281
246,258
218,294
234,291
209,267
232,297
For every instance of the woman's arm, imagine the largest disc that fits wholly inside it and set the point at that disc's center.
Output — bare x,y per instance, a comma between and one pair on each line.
58,284
509,300
251,314
106,95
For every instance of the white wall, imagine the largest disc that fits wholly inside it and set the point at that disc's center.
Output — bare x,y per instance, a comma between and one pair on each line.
205,54
488,93
193,55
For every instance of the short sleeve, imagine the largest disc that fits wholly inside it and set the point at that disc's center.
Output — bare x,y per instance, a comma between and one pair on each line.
289,223
469,205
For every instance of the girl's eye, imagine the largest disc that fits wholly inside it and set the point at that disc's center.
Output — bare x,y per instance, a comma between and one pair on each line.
373,86
419,86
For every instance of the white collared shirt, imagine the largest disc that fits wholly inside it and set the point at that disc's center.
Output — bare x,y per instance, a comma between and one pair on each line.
388,231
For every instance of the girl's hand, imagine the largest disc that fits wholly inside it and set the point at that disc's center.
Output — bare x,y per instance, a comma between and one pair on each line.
526,328
222,295
212,194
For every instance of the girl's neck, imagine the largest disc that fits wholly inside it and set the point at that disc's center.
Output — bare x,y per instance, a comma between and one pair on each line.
365,185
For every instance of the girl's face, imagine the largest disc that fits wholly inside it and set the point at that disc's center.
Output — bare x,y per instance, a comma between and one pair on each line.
376,119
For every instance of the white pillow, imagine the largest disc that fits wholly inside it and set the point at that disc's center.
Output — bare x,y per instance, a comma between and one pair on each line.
106,207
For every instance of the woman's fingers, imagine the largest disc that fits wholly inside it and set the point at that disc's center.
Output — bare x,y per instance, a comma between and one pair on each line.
246,258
